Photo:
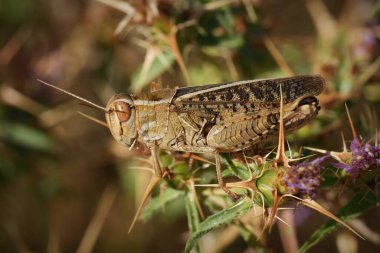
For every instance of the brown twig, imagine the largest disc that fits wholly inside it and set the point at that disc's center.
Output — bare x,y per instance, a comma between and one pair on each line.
366,75
325,24
172,41
92,232
277,56
287,232
13,97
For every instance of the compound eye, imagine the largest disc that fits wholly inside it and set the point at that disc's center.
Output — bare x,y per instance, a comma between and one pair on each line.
123,111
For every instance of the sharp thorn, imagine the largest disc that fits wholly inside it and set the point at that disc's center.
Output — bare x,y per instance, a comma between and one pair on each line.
152,183
344,143
281,158
354,134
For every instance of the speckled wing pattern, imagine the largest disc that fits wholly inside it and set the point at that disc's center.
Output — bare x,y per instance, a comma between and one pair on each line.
248,97
234,116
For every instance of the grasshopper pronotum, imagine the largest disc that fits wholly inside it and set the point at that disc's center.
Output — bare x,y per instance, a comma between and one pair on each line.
214,118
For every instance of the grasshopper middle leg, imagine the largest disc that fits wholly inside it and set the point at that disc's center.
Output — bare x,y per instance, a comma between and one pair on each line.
219,177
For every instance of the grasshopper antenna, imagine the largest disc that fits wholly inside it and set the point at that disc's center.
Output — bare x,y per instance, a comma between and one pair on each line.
93,119
73,95
88,105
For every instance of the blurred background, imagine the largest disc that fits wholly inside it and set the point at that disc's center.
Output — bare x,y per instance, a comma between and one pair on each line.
64,182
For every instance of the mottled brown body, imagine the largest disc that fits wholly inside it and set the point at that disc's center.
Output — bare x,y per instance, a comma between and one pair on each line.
214,118
222,117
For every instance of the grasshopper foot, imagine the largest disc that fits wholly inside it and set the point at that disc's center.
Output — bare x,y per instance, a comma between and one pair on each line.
168,174
234,196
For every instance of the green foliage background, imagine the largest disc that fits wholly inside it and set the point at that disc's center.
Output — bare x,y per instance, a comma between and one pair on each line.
64,182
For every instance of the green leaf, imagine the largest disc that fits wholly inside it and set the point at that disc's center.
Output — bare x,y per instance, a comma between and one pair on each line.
216,220
226,20
192,216
330,177
166,160
266,184
181,168
26,136
155,65
157,203
206,72
235,168
359,204
376,10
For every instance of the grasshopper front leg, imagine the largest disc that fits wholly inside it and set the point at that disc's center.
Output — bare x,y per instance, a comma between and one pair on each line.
154,150
156,177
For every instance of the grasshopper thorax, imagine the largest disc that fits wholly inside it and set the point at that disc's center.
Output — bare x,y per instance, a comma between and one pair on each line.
121,118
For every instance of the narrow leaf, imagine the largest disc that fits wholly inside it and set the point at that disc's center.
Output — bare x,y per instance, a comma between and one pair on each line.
376,9
216,220
235,168
192,216
359,204
154,65
26,136
157,203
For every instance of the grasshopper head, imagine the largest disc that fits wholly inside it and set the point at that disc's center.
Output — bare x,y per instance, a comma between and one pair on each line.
121,116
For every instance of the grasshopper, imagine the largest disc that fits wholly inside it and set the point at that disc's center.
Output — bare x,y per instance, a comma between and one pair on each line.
216,118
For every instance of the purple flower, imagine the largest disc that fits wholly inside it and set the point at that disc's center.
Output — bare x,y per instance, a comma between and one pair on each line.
305,178
364,158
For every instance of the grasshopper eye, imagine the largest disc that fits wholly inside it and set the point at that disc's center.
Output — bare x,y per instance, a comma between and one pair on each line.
123,111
